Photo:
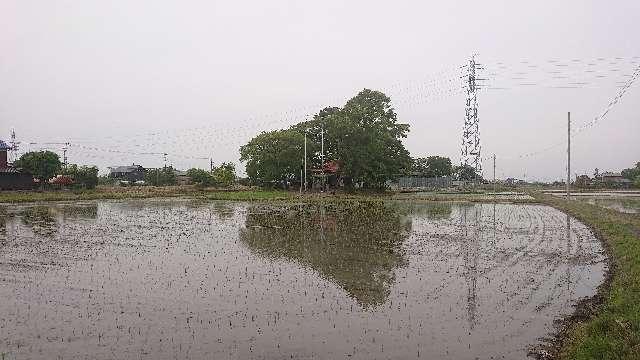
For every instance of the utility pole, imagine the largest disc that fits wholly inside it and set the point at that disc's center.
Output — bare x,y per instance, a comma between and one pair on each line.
64,154
568,154
322,157
211,164
494,174
305,159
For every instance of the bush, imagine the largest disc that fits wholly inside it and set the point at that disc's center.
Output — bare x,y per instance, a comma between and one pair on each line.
83,176
225,174
161,177
200,177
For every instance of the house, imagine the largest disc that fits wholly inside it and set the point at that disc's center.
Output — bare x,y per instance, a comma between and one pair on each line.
513,181
131,173
181,177
614,179
10,177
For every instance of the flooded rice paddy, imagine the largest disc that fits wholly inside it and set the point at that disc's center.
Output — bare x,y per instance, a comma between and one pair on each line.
627,201
182,279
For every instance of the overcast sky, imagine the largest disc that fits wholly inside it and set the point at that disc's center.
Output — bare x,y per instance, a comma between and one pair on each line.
197,79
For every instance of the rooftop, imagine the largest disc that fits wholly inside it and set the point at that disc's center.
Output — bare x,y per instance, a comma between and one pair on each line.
125,169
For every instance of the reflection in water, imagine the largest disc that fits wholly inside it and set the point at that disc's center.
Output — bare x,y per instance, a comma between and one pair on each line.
223,210
44,220
568,254
471,252
629,205
355,245
77,211
40,219
429,210
165,279
3,223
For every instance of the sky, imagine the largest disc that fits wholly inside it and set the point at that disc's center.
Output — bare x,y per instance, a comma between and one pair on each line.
127,81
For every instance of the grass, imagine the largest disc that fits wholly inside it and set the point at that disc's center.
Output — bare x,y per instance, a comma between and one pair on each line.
607,326
141,193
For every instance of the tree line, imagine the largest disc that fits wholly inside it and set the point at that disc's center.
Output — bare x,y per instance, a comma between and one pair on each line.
44,165
364,137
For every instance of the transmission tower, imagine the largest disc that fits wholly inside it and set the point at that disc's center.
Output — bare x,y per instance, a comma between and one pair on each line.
14,146
471,132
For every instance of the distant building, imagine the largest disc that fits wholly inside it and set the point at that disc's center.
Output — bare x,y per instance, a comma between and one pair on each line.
10,177
181,177
3,154
514,181
614,179
131,173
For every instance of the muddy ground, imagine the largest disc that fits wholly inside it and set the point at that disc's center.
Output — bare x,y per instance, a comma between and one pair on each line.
165,279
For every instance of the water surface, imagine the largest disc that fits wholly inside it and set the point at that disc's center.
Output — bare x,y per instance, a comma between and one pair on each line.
165,279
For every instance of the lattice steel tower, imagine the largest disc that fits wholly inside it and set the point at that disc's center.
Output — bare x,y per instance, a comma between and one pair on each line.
471,132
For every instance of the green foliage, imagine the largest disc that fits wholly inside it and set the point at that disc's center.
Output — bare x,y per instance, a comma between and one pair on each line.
83,176
359,254
466,173
106,180
363,136
42,164
225,174
200,177
273,156
632,173
368,139
161,177
432,166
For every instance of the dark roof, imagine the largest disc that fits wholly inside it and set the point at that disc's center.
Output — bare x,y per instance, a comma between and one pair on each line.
4,146
9,170
125,169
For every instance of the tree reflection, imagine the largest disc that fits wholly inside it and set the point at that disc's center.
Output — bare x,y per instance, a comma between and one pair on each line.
356,245
44,220
40,219
429,210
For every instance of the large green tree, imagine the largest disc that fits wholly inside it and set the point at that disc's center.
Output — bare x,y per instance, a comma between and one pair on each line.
432,166
364,137
466,173
225,174
368,139
200,177
632,173
274,156
42,164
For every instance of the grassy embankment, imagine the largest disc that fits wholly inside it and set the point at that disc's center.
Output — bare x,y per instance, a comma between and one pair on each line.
607,326
140,193
110,192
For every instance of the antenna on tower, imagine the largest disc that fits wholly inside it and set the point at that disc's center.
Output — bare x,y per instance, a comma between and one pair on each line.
470,149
